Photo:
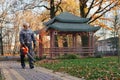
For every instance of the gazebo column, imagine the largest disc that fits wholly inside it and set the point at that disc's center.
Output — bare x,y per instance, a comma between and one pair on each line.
73,40
74,43
40,47
51,43
91,41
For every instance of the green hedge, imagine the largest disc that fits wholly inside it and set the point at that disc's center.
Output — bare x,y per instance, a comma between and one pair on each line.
68,56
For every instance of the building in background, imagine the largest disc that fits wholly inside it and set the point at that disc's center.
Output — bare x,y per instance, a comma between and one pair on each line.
107,46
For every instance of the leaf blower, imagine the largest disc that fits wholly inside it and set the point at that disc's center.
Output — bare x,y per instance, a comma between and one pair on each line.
26,52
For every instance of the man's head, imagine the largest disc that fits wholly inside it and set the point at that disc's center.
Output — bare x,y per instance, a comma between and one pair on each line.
25,26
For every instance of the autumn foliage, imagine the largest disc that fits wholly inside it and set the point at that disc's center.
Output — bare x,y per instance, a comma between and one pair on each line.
35,12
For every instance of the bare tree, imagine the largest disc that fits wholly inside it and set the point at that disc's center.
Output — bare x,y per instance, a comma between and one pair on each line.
115,32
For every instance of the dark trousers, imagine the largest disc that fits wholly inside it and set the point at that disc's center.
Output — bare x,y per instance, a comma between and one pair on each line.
22,56
22,59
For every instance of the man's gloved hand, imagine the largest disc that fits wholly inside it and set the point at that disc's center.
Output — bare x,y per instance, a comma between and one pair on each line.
23,44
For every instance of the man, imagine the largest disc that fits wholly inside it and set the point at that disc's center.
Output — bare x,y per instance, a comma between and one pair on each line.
27,39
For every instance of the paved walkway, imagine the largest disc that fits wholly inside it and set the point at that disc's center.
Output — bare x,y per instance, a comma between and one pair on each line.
11,70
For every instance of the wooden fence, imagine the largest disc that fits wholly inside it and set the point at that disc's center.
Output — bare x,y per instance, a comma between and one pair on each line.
63,50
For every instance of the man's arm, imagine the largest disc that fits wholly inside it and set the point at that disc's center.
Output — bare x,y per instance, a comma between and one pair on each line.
21,38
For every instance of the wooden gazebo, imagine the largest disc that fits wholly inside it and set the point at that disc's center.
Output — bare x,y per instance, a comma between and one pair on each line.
69,24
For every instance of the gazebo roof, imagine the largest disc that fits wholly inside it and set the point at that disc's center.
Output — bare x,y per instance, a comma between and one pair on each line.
70,18
70,23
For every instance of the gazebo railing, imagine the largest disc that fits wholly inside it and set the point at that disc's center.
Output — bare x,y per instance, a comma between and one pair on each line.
58,50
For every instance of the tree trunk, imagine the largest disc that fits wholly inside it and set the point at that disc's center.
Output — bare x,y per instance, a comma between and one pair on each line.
52,9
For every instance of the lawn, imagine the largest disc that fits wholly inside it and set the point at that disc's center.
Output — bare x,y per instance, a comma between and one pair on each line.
106,68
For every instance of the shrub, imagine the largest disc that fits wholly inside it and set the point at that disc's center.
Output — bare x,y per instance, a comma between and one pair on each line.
98,55
69,56
40,58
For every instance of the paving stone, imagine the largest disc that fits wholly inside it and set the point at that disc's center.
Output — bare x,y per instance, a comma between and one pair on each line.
12,71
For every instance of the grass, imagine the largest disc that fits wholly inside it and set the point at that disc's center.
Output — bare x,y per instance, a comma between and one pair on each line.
1,77
88,68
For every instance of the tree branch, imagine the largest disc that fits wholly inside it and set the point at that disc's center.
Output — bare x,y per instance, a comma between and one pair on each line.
105,7
100,3
89,8
103,13
61,9
37,6
58,6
